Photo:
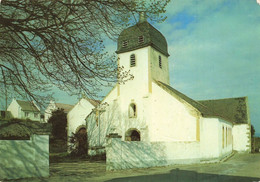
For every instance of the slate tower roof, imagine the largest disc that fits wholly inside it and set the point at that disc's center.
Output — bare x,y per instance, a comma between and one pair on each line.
141,35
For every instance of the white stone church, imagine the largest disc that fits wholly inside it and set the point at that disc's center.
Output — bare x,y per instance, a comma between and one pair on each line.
147,115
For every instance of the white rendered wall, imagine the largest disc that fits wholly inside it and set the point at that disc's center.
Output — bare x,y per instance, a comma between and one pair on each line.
160,117
171,120
159,74
98,129
77,115
211,138
24,158
30,115
16,111
125,155
48,111
225,138
241,137
14,108
139,85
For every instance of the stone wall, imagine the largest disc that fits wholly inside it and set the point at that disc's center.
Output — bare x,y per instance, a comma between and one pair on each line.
24,158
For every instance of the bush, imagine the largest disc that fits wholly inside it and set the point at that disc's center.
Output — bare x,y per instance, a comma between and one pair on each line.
78,144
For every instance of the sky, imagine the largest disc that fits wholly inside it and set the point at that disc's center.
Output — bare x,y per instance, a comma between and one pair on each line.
214,48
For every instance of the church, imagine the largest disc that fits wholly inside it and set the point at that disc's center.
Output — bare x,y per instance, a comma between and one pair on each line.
146,122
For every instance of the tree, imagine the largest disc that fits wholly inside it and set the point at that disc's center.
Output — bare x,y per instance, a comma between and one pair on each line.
46,43
252,131
58,120
79,144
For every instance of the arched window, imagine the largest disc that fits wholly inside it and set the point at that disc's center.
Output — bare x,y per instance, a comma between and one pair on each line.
132,60
160,61
132,110
132,135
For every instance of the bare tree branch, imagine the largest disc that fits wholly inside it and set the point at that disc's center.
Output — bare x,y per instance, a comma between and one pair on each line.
60,42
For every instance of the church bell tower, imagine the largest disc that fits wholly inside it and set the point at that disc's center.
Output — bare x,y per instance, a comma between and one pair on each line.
143,50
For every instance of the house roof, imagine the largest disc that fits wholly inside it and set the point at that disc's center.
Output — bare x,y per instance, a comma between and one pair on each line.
27,106
65,107
230,109
151,37
93,102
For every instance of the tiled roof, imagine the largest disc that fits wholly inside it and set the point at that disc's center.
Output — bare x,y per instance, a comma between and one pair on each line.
27,106
234,109
66,107
230,109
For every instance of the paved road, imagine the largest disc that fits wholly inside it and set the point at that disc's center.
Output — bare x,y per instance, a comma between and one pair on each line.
240,167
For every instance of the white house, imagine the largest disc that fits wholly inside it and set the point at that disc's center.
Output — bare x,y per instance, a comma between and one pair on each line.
170,127
54,106
24,110
76,116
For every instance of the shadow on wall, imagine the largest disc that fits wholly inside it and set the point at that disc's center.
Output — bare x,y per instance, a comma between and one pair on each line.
97,134
112,121
126,155
185,176
24,158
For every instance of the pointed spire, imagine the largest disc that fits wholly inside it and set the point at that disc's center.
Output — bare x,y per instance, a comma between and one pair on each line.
142,17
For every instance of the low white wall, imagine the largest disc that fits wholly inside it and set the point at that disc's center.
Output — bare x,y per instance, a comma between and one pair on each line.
24,158
241,138
125,155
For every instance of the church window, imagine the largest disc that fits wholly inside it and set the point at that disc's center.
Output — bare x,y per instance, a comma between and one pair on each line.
160,61
132,60
125,43
141,39
132,110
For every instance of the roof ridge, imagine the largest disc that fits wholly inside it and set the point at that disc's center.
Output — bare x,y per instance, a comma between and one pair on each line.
223,98
178,92
64,103
205,111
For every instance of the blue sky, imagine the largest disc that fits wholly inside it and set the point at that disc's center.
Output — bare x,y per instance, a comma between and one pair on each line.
214,48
